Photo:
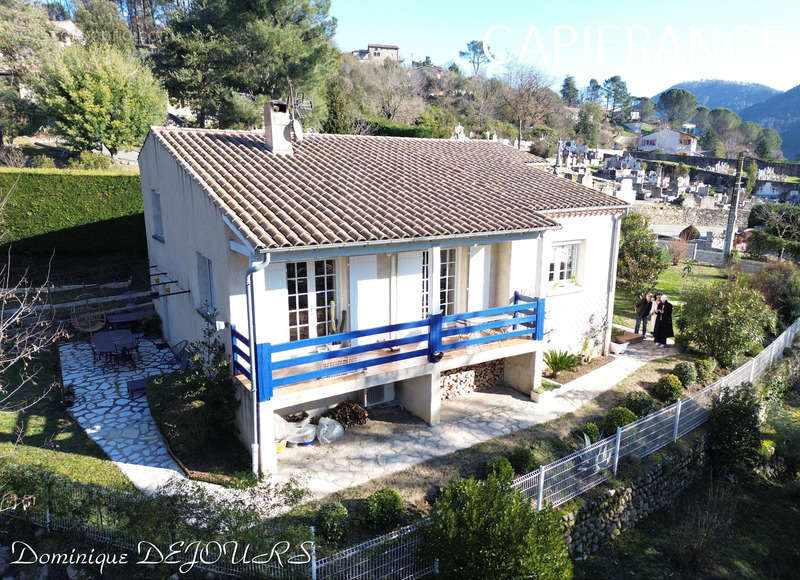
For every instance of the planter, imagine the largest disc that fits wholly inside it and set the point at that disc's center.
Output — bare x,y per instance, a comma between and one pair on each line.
617,348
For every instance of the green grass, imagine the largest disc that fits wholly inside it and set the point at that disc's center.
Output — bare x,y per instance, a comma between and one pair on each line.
45,435
671,282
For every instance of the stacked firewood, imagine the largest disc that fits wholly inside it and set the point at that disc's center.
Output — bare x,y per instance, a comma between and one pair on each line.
462,381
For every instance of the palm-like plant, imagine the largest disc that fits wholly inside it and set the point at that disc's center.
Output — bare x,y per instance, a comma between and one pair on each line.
560,360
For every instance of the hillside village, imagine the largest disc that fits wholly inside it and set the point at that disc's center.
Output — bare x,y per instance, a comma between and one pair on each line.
282,305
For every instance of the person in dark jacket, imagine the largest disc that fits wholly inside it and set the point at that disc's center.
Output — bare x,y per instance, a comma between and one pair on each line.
643,307
663,326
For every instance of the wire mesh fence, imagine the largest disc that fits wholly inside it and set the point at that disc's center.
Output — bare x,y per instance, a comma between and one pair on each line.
572,475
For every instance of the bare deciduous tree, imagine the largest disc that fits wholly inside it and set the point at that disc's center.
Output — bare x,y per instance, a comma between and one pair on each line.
527,99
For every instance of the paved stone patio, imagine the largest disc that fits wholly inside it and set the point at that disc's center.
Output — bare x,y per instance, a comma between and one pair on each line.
382,448
123,427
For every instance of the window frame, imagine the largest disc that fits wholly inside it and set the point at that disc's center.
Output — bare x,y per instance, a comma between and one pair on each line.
557,274
205,290
312,291
158,216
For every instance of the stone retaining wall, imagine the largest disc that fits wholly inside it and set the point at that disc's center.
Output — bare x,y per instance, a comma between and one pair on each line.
600,520
462,381
663,214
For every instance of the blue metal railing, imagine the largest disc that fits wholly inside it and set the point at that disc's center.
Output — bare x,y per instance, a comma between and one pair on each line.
240,354
525,317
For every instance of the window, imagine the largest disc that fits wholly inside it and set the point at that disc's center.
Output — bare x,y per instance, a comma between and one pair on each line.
564,265
205,281
447,281
158,224
426,285
312,289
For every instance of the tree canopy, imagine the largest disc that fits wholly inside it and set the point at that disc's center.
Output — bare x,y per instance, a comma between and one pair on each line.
474,55
569,91
641,261
677,104
100,97
102,25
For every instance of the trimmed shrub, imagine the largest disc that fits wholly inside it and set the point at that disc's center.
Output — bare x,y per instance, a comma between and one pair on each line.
734,438
522,459
686,373
332,521
90,161
380,126
485,529
668,388
75,212
592,431
384,508
500,467
640,403
617,417
704,369
42,162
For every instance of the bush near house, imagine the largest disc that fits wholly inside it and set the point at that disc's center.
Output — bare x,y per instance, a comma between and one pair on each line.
704,369
617,417
484,529
640,403
560,360
500,468
686,373
75,212
734,439
383,509
668,388
522,459
333,521
592,431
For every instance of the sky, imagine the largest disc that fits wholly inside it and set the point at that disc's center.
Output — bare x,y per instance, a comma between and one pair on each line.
651,44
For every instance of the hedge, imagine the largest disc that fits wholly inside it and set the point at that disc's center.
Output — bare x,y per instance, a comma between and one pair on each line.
73,212
388,128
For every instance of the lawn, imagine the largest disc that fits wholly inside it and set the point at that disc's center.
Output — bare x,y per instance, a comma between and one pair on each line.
671,282
45,435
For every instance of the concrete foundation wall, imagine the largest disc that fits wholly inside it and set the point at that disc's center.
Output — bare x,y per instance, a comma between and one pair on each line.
421,396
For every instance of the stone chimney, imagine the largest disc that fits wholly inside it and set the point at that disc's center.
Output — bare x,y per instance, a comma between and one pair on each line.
277,128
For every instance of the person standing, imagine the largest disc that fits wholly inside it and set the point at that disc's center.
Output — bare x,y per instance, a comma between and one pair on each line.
663,327
654,306
643,307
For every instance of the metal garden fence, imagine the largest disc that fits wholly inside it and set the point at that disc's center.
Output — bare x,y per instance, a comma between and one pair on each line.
394,556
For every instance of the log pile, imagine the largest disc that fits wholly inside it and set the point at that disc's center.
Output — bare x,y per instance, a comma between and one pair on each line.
462,381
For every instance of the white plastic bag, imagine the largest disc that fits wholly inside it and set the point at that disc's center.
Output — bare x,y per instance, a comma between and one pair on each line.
281,427
301,433
329,430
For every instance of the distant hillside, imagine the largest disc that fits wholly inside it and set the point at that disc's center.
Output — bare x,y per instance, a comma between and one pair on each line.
716,94
782,113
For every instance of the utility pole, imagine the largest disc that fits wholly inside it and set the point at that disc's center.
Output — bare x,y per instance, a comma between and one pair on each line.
734,208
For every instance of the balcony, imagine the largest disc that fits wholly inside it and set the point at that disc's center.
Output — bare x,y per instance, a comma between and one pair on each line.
373,356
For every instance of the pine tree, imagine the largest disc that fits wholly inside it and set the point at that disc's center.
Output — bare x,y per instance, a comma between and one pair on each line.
339,120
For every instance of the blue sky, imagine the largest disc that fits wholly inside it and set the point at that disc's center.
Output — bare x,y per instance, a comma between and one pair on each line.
652,44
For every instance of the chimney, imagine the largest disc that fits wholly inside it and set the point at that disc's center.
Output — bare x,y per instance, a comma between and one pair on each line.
277,128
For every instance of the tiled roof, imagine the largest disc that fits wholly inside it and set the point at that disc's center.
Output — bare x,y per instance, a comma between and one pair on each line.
339,189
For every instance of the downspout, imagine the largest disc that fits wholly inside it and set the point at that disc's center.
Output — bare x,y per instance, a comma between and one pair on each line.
251,333
612,278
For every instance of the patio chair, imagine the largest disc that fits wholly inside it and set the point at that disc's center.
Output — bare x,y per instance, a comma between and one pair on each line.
178,354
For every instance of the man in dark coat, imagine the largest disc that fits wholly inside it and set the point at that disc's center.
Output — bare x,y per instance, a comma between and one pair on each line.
642,308
663,327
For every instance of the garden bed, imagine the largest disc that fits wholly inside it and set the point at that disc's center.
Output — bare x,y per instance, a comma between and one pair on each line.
566,376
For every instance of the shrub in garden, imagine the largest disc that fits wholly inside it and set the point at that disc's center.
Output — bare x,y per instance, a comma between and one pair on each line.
704,369
560,360
348,413
779,283
617,417
42,162
686,373
640,403
89,160
499,467
734,438
522,459
668,388
725,318
383,509
332,521
485,529
592,431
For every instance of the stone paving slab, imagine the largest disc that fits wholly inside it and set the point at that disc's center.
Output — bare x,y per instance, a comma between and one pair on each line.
360,455
121,426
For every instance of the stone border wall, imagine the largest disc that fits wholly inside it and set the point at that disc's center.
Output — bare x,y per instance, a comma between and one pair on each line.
600,520
663,214
462,381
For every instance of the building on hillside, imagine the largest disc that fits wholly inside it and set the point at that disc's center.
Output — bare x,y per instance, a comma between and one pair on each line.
669,141
378,53
342,267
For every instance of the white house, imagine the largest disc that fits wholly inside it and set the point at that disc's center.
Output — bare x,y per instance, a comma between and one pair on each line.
669,141
363,267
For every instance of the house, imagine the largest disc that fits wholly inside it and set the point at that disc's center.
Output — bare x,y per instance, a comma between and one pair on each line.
669,141
378,53
351,266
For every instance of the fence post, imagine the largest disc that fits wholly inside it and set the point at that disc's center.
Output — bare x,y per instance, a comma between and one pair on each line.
516,301
616,448
264,371
540,494
677,420
539,318
313,555
435,337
